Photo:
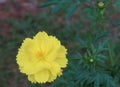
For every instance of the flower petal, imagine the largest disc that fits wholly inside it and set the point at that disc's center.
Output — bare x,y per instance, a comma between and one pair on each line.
55,45
61,57
55,68
52,78
29,69
42,76
31,78
42,40
26,52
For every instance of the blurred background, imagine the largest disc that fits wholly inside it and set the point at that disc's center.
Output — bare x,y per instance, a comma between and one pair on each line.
21,18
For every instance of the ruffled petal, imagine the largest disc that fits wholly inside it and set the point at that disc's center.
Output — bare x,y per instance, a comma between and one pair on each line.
42,76
52,78
29,69
61,57
55,68
26,53
55,45
32,78
42,39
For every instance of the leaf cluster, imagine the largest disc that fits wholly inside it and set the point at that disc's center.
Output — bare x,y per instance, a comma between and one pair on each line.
67,6
90,69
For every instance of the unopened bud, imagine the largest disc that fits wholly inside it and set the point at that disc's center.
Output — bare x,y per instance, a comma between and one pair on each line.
101,4
91,60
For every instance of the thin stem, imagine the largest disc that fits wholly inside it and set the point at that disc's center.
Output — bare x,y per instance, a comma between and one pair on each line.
74,58
103,22
110,56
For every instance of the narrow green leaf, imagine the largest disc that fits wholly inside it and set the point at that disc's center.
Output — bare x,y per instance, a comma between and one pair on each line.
56,8
46,4
117,5
70,11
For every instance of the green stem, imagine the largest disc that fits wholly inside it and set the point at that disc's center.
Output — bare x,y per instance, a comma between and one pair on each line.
103,22
74,58
110,56
92,29
90,37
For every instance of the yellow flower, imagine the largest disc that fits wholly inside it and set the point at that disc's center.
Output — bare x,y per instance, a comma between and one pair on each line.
42,58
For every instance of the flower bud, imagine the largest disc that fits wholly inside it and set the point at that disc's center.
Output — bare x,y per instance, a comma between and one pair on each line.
101,4
91,60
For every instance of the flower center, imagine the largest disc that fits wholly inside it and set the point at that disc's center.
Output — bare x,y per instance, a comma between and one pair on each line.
40,55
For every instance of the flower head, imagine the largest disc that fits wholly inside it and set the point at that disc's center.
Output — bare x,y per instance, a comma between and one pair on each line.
42,58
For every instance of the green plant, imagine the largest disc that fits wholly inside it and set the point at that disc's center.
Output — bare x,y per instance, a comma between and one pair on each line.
84,28
94,63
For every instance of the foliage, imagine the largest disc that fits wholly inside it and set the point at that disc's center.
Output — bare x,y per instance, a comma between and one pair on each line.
117,5
93,52
95,64
89,70
68,6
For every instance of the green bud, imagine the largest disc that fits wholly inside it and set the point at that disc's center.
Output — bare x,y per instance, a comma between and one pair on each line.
101,4
91,60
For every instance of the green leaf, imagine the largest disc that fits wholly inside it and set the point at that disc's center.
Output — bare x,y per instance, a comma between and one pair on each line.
117,5
100,35
70,11
97,81
91,13
116,23
81,41
56,8
48,3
